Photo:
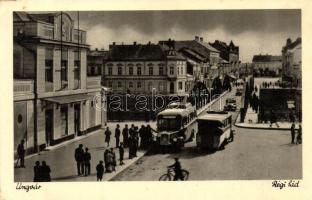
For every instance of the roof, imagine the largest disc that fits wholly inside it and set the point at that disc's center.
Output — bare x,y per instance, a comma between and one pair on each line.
214,116
141,52
174,111
292,45
193,54
266,58
201,48
98,53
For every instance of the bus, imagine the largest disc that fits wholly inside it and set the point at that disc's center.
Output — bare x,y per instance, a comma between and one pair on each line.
176,125
214,130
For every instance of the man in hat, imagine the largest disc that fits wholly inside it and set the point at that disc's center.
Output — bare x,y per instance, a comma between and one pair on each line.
21,153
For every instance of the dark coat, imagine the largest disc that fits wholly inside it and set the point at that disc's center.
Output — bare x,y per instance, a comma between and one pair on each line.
125,133
107,135
87,157
99,170
45,173
79,154
117,133
21,150
37,173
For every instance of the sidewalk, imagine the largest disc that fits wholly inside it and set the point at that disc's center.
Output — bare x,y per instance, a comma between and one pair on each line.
61,160
251,120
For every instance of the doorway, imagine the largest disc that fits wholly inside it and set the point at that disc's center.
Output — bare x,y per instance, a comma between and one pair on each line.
49,126
77,118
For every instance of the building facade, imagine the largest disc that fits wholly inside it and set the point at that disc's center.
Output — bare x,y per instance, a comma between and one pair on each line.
267,65
144,68
291,62
229,56
53,97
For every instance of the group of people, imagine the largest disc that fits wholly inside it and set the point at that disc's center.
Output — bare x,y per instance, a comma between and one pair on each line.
293,134
131,136
83,158
42,172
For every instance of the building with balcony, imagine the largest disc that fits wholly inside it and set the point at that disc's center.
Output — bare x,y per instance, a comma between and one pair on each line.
53,97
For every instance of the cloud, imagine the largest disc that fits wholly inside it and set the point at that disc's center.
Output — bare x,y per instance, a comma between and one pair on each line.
249,42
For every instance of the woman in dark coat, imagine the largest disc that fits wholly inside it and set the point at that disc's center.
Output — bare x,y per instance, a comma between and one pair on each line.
45,172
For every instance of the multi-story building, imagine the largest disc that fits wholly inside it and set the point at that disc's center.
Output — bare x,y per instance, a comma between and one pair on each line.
53,97
207,57
267,63
95,61
229,55
143,68
291,62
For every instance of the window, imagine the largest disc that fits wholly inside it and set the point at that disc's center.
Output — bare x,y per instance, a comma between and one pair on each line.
110,84
180,85
182,70
139,85
110,71
77,66
64,119
161,70
178,71
161,86
130,71
119,71
64,65
171,70
49,65
139,71
130,85
119,84
150,71
150,86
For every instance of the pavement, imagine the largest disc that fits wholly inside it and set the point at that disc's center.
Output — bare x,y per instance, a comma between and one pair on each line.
253,155
61,160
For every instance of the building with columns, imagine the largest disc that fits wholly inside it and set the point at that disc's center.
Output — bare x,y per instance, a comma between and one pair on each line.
53,97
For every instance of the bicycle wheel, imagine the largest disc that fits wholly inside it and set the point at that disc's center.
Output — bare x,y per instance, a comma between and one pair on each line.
185,174
165,177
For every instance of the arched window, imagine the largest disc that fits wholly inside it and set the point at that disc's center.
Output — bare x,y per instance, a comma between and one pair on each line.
119,71
161,70
130,70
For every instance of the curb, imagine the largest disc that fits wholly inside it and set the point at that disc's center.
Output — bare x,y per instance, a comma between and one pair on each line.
126,167
253,127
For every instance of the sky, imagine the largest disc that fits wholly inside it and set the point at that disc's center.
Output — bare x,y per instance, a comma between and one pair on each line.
254,31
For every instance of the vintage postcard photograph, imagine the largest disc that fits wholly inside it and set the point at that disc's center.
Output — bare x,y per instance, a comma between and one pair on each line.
157,95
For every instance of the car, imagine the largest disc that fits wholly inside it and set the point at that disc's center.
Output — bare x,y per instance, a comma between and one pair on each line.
230,104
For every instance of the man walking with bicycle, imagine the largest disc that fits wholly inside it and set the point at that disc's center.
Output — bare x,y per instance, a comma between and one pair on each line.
177,170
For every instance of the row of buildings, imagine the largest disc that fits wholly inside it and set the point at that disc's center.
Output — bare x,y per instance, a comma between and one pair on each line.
59,82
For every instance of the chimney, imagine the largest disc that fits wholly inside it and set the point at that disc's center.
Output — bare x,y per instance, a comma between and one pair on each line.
96,49
134,43
201,39
114,43
196,38
149,42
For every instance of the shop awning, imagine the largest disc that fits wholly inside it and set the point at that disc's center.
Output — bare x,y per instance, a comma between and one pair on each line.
69,98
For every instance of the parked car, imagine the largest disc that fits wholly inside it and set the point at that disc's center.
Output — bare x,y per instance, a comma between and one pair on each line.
230,104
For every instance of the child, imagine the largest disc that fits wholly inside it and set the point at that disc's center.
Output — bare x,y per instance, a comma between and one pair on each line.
100,171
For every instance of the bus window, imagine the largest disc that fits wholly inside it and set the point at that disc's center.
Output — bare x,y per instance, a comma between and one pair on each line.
169,124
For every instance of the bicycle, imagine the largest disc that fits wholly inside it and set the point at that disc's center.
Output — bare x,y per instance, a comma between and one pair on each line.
169,176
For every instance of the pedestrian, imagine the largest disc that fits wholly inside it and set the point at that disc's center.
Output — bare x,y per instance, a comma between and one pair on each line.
107,136
125,135
113,162
117,135
149,135
45,172
136,141
21,154
87,159
131,131
131,146
293,133
299,136
37,172
142,135
121,153
99,171
79,156
107,160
